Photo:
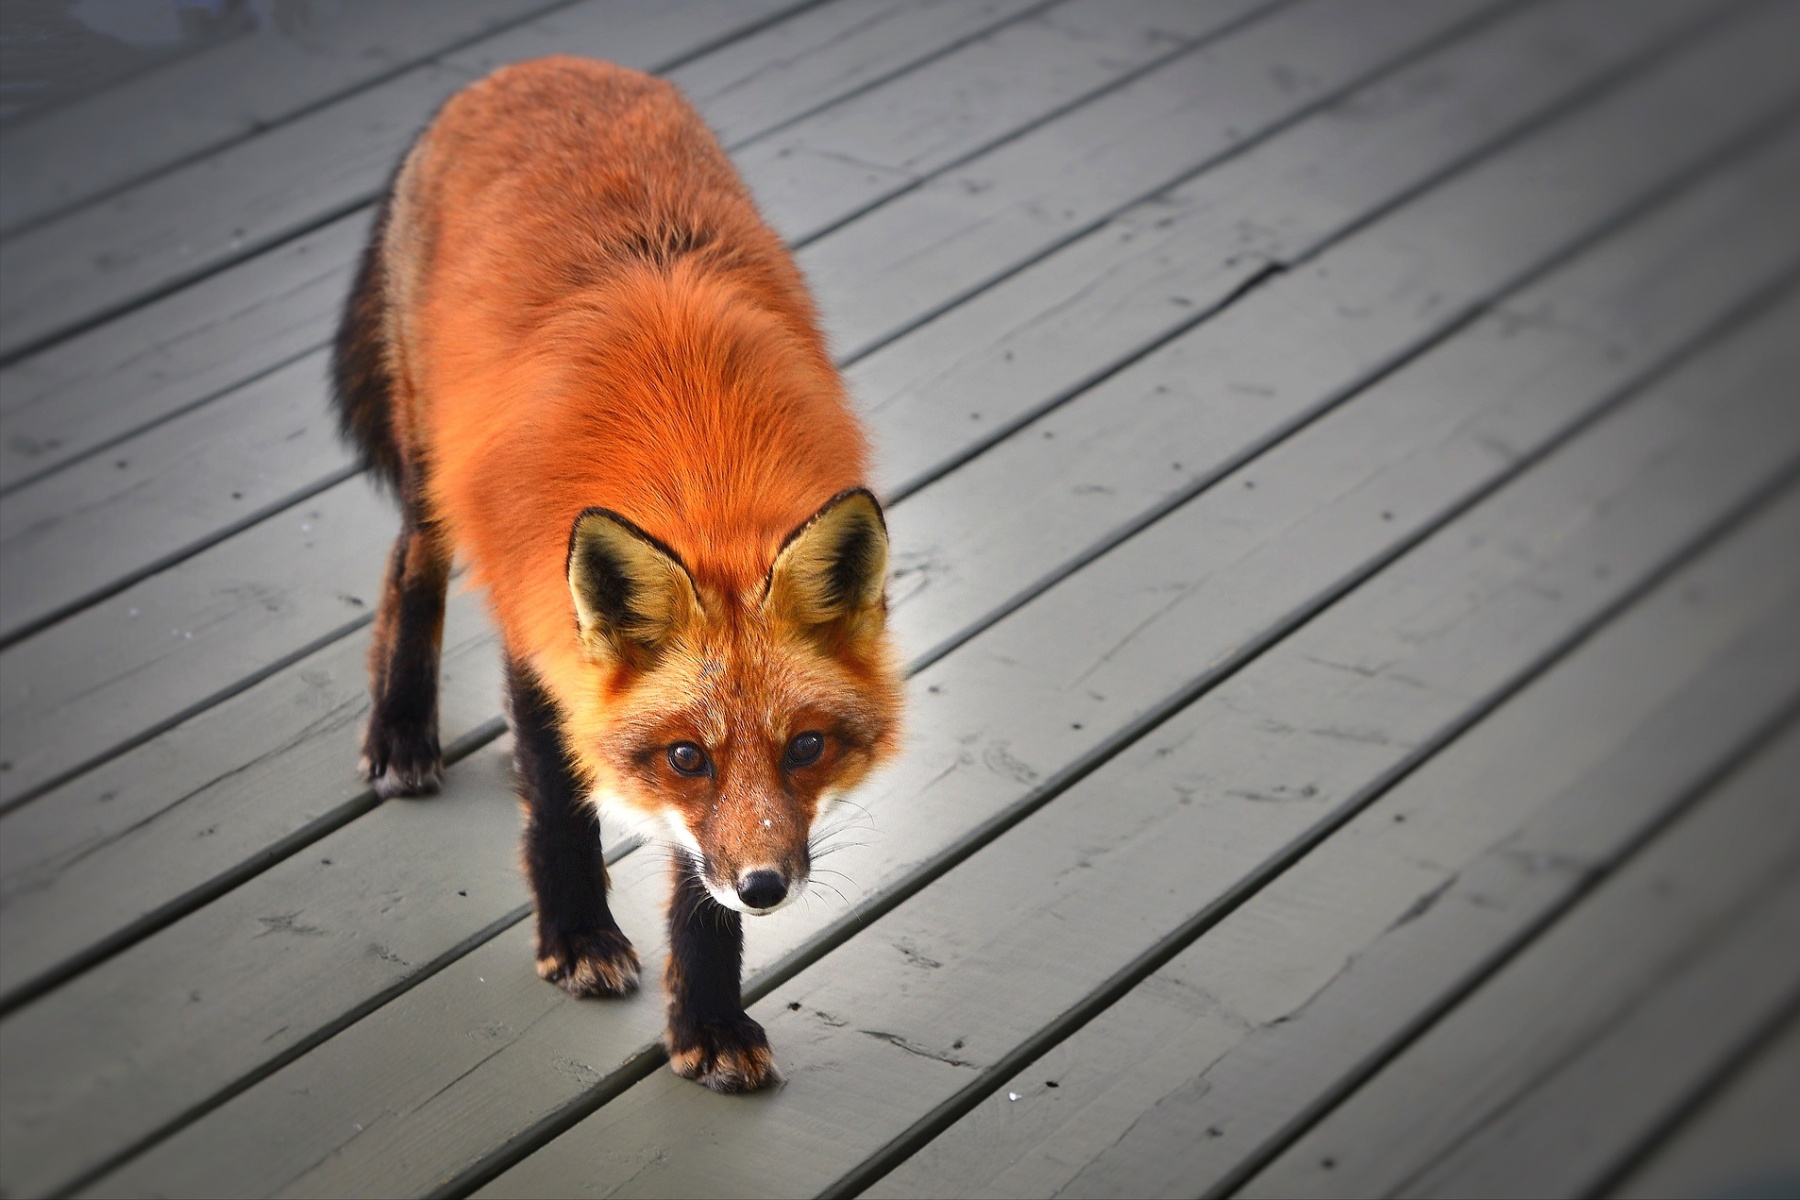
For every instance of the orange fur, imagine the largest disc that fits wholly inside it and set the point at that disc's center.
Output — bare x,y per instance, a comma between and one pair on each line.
586,310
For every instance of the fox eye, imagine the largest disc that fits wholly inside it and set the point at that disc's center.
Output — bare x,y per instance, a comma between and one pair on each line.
688,759
805,749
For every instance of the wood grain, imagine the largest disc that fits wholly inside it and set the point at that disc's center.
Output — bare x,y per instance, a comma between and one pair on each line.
1040,336
221,795
1737,245
1742,1136
181,225
1013,712
819,57
104,386
1289,1000
1545,295
189,482
1682,953
232,325
901,1019
848,158
943,240
1401,302
222,95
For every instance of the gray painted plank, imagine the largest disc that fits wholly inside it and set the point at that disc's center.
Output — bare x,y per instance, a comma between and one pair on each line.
223,94
66,398
123,668
854,155
219,795
114,517
902,1018
304,943
102,258
1550,188
1083,473
1569,1132
823,54
1740,1142
1022,704
1720,244
1685,951
1040,335
1430,116
1258,1023
948,237
125,249
1713,271
107,384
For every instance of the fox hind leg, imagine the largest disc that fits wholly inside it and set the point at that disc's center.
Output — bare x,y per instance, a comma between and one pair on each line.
580,946
401,755
400,749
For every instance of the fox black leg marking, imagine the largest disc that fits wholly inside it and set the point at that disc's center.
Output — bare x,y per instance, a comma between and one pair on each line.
710,1038
580,946
400,750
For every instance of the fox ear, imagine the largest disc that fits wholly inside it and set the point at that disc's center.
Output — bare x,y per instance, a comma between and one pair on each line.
632,593
830,574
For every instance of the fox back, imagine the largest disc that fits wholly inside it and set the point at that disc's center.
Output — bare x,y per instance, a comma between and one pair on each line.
592,372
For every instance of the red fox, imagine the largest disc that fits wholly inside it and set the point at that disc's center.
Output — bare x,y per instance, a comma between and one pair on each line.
586,366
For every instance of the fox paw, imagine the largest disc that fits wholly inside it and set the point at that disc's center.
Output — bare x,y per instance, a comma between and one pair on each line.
597,963
726,1056
402,760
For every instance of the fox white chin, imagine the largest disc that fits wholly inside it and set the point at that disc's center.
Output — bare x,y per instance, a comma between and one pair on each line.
637,822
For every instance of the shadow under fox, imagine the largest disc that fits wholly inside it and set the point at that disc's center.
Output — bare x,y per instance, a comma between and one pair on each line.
589,369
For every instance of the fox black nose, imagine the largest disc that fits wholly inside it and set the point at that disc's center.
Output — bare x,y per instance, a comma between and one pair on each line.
761,889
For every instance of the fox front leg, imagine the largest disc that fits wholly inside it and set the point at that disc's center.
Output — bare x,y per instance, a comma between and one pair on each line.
710,1038
580,947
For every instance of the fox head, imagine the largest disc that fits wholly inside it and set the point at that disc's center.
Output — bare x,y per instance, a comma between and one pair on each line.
736,716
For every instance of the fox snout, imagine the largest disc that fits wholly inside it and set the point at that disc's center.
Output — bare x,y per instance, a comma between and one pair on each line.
755,891
755,888
763,890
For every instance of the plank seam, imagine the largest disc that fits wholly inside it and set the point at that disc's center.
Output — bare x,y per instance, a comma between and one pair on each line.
1744,144
1745,310
773,983
1740,1058
176,557
1594,90
425,61
1705,27
874,82
1242,22
363,204
488,731
255,246
191,901
1279,1142
1152,960
302,1046
318,1037
879,904
1683,959
375,81
175,58
193,710
140,430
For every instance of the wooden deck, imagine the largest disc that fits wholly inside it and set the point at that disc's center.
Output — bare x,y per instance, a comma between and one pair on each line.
1344,467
